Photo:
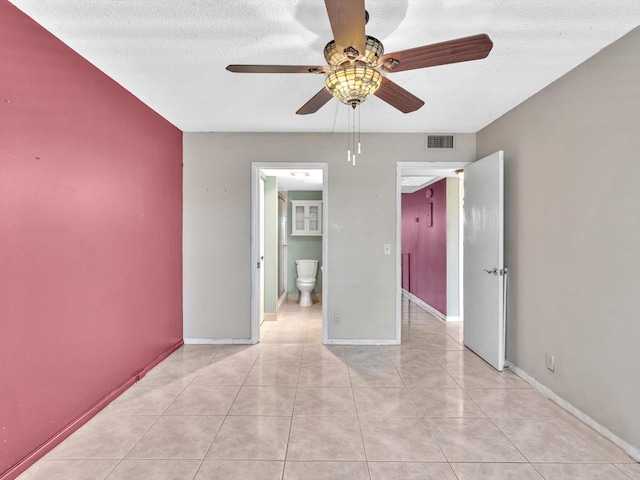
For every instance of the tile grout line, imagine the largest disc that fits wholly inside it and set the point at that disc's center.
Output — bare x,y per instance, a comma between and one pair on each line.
225,416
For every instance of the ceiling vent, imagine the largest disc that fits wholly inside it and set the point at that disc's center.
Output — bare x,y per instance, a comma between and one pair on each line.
440,142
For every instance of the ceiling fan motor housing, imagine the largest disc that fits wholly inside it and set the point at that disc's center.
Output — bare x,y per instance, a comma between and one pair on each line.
373,51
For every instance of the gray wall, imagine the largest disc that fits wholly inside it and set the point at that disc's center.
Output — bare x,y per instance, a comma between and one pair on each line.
361,208
572,175
302,247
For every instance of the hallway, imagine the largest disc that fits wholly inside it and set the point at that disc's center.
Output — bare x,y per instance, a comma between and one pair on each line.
291,408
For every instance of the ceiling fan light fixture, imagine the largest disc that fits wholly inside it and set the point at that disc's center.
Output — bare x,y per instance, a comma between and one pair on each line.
373,51
353,84
336,58
333,56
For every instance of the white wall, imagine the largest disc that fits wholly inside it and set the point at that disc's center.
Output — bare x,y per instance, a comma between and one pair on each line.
453,249
572,174
361,208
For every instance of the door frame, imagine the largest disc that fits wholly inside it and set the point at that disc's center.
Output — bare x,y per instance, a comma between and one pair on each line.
430,168
256,167
261,239
282,258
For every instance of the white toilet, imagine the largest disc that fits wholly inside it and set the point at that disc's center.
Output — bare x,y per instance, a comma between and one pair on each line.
306,280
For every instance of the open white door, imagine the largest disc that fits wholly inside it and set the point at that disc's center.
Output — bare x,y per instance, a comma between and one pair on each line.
484,272
261,259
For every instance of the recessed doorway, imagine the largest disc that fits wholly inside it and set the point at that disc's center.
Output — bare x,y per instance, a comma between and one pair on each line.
289,222
432,231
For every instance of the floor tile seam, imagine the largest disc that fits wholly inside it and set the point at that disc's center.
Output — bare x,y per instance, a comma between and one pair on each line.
196,415
158,417
176,398
118,462
584,438
348,372
336,415
219,428
588,442
364,448
286,450
515,417
435,438
493,421
201,461
461,383
164,459
401,377
617,467
420,408
274,415
560,462
296,385
479,407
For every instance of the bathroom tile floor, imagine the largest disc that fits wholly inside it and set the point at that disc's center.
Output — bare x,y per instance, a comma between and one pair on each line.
291,408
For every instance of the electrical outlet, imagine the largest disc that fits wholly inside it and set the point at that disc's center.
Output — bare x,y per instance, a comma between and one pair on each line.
336,319
551,362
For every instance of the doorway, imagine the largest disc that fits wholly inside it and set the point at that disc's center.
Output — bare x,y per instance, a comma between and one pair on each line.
481,248
276,242
423,179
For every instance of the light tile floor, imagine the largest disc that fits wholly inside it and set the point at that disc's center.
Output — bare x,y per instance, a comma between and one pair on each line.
291,408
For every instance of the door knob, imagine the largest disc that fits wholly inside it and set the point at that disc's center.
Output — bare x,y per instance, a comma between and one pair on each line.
494,271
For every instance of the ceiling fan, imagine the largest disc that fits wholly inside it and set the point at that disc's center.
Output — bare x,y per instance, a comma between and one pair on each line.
357,65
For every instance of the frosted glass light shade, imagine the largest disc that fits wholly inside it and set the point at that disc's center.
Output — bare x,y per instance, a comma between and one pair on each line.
353,84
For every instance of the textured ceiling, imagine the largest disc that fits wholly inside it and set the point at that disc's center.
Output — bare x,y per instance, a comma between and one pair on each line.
172,55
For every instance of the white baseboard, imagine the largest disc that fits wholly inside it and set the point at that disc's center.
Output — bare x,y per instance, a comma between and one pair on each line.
270,317
424,305
632,451
282,301
350,341
217,341
451,318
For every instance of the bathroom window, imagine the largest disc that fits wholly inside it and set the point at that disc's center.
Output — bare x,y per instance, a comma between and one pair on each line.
307,217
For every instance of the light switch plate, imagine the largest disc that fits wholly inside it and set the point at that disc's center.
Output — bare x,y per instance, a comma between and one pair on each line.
387,249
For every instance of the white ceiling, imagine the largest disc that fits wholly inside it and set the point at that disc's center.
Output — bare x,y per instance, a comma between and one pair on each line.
172,55
296,179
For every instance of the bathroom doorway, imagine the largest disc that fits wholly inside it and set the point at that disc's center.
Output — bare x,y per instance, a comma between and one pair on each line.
289,223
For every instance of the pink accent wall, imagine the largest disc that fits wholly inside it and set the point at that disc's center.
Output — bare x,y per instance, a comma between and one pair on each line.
424,247
90,239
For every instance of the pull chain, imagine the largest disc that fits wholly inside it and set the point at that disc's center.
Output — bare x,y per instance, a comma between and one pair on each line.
353,135
354,145
348,136
359,144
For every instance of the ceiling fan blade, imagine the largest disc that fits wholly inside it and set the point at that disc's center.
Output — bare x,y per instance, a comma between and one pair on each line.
398,97
277,69
316,102
452,51
347,18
